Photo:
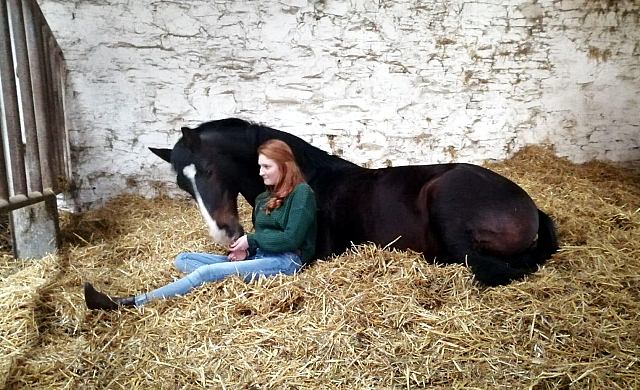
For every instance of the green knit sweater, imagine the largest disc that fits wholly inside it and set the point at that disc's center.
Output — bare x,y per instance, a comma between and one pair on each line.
290,227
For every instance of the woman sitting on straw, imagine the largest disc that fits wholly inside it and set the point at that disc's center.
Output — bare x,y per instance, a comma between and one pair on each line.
287,193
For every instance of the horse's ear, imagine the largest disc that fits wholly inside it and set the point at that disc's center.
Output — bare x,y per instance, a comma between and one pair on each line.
164,154
191,137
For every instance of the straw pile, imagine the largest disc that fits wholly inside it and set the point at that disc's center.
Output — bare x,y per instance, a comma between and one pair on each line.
367,319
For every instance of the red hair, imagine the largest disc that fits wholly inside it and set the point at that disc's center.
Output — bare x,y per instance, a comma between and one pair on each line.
290,175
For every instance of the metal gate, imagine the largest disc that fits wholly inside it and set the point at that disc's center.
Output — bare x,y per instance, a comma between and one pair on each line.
34,152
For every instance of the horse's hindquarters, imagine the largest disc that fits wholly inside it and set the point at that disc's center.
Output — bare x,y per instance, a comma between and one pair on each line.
476,211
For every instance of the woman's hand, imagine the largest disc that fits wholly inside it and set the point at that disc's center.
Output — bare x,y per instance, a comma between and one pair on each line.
240,244
237,255
238,249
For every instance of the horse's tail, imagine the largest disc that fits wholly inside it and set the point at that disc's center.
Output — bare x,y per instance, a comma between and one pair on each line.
547,242
492,271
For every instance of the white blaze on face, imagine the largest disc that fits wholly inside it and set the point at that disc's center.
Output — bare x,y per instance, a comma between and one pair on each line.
217,235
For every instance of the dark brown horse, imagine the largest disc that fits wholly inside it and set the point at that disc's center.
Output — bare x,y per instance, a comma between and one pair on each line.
458,213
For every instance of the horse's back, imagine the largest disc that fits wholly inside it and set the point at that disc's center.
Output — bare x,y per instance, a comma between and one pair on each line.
435,209
359,205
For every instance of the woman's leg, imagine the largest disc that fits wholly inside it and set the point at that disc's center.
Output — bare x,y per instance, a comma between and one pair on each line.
265,264
189,262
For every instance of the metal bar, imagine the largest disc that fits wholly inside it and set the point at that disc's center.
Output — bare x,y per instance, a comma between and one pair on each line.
64,136
4,174
50,108
26,94
33,21
57,118
11,107
23,201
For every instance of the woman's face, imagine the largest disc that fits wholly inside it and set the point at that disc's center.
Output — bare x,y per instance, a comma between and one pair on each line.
269,170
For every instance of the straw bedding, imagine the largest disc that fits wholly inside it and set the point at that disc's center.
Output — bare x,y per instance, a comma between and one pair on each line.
369,318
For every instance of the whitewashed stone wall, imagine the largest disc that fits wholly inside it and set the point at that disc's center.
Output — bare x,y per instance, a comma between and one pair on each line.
386,82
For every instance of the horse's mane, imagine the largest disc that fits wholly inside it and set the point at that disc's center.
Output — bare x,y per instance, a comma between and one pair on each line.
309,157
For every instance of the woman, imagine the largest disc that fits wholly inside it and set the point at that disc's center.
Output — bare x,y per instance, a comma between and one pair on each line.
284,239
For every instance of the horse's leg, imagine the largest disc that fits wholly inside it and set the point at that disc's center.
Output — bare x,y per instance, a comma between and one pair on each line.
459,245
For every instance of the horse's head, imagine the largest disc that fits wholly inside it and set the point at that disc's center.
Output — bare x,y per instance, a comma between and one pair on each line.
211,175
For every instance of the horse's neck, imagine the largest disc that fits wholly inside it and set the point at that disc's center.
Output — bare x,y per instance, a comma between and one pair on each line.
309,157
313,162
251,190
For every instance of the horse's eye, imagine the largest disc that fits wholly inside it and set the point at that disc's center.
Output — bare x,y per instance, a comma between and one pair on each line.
209,172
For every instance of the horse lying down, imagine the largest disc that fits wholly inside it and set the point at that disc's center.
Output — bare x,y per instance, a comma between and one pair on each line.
451,213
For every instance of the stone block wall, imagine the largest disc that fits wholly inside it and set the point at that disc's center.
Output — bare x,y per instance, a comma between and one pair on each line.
378,82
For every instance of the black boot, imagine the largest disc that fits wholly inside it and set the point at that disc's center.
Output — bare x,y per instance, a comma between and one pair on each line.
97,300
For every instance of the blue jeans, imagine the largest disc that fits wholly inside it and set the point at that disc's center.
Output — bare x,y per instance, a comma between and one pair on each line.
204,267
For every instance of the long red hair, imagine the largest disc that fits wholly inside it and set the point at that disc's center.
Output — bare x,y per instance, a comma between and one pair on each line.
290,175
